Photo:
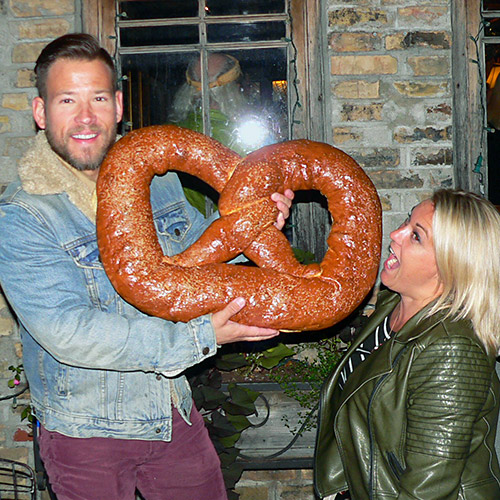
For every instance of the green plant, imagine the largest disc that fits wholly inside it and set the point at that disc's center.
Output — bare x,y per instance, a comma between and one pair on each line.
13,383
226,408
225,412
16,379
305,375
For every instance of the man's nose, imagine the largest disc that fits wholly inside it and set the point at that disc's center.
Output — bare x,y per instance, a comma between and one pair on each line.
85,114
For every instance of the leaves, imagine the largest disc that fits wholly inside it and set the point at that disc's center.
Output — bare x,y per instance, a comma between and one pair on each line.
196,199
212,398
230,361
274,356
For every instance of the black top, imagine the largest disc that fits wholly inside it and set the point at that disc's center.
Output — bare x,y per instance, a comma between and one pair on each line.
377,338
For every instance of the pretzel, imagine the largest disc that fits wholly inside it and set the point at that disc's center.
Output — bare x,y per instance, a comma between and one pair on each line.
280,293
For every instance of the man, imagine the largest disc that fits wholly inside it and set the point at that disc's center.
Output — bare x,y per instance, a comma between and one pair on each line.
106,381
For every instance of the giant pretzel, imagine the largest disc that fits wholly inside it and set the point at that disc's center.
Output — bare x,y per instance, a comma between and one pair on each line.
280,293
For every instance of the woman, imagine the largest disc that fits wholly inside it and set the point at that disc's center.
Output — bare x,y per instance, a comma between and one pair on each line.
416,419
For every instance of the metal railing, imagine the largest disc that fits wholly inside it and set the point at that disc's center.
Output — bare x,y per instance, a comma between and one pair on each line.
17,481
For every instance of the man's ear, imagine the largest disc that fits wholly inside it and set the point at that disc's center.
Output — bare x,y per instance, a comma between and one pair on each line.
38,108
119,105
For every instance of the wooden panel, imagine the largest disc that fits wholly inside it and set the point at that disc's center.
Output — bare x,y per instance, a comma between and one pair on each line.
261,441
468,112
309,38
310,220
98,19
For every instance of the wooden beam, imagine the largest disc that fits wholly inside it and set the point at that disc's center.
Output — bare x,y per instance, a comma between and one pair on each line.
98,19
468,111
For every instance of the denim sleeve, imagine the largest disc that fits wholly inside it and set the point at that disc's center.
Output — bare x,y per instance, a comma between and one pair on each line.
51,300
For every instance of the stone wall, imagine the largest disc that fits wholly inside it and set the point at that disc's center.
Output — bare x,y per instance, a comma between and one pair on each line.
390,64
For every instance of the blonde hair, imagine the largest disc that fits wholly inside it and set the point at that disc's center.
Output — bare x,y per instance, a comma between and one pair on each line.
466,232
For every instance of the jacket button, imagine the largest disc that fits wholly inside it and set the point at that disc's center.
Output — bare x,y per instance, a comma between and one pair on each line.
158,431
205,351
158,377
177,231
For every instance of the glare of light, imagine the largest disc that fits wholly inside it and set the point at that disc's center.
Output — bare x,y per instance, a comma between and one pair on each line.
492,77
280,86
252,133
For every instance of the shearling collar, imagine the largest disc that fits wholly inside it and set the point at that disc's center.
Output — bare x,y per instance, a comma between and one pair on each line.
42,173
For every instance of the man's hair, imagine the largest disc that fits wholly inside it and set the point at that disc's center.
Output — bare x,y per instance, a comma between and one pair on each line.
466,232
72,46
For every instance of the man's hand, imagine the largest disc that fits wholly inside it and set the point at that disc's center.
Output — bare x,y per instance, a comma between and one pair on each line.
283,202
227,331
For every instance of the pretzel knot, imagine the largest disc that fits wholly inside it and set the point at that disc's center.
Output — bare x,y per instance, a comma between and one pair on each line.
280,292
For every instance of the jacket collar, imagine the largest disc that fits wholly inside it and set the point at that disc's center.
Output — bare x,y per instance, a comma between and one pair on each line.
42,173
413,328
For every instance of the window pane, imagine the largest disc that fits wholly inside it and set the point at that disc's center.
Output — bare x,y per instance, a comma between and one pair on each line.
491,5
492,62
247,98
159,35
241,7
148,93
157,9
246,32
492,28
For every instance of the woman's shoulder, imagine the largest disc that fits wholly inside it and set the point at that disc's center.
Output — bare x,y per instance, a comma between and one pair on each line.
456,337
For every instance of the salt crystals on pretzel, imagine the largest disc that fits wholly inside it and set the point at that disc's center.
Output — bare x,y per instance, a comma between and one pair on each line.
280,293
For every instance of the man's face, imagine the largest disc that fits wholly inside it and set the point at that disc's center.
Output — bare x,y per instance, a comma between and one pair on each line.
80,112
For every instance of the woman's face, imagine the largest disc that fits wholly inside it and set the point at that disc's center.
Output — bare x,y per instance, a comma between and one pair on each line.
411,268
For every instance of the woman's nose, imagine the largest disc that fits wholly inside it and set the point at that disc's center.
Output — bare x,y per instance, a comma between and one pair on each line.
397,233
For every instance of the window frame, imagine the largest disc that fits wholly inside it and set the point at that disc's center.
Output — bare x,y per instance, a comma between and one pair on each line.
309,221
313,116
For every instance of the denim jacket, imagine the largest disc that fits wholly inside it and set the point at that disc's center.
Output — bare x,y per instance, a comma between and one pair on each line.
97,367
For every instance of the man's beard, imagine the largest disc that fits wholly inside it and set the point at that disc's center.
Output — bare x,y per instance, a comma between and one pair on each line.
79,164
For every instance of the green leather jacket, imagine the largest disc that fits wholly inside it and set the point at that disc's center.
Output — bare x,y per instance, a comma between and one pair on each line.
416,420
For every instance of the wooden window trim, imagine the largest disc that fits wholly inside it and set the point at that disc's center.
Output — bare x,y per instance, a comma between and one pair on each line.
98,19
468,111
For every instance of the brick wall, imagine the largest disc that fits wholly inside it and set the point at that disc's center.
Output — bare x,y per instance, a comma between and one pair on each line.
391,96
391,110
25,27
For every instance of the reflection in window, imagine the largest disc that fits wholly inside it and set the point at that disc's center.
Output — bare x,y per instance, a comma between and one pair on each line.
245,110
207,66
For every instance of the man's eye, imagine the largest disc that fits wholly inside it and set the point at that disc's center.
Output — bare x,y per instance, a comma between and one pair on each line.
416,236
101,99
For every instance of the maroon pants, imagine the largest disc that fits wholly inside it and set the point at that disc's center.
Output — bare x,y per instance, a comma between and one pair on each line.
186,468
